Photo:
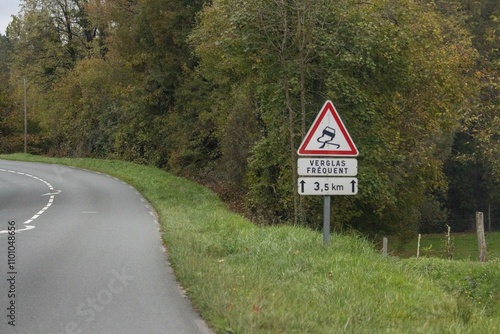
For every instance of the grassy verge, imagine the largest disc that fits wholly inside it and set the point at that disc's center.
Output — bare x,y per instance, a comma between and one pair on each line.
246,279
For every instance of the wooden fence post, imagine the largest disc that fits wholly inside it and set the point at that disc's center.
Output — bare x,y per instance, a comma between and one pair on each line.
418,245
481,240
384,246
449,248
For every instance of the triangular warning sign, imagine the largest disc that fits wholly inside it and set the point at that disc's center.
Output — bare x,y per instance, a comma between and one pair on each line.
328,135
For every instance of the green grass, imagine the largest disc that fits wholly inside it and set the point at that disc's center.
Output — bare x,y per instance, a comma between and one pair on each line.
248,279
463,246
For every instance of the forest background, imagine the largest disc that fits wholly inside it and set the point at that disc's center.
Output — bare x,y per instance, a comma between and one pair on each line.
223,92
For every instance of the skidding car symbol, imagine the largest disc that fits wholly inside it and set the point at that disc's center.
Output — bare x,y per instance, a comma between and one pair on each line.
327,136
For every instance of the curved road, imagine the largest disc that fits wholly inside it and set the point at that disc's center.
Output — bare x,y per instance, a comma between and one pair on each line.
86,257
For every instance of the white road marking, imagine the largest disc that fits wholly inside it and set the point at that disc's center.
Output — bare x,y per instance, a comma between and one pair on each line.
57,192
27,228
52,194
49,203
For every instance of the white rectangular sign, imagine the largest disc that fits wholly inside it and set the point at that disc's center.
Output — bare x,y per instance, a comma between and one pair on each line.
327,167
328,186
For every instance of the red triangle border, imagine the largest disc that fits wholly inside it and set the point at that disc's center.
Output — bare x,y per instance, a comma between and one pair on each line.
352,152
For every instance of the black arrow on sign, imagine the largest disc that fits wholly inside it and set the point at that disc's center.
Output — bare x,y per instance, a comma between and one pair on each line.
353,186
302,183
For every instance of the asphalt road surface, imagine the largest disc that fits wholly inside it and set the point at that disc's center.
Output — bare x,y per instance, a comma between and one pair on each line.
86,257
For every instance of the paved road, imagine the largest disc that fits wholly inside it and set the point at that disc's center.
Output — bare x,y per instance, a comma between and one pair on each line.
87,257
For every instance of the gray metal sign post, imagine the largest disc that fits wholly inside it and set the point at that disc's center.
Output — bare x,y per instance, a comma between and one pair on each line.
326,219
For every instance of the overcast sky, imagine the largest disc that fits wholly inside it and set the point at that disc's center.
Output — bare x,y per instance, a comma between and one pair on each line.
7,8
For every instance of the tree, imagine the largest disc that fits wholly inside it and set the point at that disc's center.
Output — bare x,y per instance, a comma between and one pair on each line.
394,70
49,37
405,83
104,72
474,167
151,37
83,117
11,139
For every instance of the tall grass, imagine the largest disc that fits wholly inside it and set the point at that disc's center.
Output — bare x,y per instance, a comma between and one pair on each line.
248,279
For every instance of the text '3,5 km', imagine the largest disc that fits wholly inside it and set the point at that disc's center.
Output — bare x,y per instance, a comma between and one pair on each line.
328,186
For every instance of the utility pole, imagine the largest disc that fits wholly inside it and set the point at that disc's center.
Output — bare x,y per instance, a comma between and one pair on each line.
25,119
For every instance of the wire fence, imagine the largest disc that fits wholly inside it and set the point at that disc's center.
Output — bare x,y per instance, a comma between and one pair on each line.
461,244
462,223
